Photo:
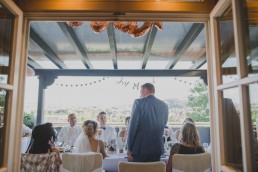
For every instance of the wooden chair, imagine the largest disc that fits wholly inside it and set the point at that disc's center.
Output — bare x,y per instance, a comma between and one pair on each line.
191,162
142,167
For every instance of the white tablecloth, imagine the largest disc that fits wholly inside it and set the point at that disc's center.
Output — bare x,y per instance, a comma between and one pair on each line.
110,163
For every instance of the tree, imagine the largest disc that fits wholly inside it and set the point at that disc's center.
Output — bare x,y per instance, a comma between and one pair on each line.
29,119
198,103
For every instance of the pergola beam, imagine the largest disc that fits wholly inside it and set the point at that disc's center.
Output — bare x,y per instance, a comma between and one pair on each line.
201,61
253,56
74,41
135,73
47,51
191,35
148,46
33,64
112,44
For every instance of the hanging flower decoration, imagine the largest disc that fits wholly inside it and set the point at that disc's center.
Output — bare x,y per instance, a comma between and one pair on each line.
131,28
74,24
98,26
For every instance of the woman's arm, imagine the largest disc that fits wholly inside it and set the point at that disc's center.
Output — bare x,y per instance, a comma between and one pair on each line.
102,149
174,150
54,149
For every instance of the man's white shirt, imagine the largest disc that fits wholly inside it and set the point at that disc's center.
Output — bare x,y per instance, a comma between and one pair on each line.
69,134
26,130
109,133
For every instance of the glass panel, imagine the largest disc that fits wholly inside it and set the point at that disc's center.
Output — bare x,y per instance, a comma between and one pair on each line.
231,128
96,45
166,43
35,53
253,89
228,61
60,44
3,101
6,28
252,53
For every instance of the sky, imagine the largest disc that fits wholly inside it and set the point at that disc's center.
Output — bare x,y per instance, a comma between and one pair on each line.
104,91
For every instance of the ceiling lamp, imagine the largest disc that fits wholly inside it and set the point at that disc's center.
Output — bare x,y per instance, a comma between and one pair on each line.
131,28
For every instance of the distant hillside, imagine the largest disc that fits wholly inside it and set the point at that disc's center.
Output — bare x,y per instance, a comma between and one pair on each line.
115,115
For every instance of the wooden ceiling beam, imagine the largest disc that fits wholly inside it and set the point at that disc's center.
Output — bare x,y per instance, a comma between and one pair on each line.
74,41
148,46
119,7
191,35
47,51
112,44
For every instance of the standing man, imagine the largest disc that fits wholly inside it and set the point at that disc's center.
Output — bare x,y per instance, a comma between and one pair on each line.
68,134
109,133
148,119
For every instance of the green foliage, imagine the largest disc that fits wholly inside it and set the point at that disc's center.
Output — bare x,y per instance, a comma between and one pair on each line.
254,114
29,119
198,103
2,100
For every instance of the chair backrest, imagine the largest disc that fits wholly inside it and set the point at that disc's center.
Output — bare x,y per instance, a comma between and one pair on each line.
159,166
193,163
82,162
40,162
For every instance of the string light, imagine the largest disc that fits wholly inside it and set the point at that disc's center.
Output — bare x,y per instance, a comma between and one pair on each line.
125,83
81,84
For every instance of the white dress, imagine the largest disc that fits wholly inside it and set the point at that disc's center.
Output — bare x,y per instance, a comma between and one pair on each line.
82,144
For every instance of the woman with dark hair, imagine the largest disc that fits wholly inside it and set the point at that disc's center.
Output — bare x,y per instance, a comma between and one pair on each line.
189,143
87,142
43,138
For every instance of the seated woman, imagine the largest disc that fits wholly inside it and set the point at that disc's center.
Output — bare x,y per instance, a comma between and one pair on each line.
189,143
43,138
87,142
123,134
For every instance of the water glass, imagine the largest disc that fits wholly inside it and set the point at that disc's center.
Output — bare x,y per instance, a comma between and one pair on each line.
205,146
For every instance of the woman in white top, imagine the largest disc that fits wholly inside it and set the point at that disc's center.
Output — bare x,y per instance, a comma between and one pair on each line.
87,142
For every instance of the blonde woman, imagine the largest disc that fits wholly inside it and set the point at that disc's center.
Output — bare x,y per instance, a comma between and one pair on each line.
189,143
87,142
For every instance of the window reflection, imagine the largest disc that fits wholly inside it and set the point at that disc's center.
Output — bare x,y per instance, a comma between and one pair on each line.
231,123
228,60
252,53
6,26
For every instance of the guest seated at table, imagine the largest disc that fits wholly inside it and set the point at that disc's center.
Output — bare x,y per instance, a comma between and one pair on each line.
69,133
166,135
43,138
176,133
189,143
87,142
108,133
123,134
26,136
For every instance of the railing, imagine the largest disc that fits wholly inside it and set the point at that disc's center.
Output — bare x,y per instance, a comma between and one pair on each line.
121,124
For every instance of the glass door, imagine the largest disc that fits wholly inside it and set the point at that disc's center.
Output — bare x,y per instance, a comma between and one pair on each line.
10,41
234,56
